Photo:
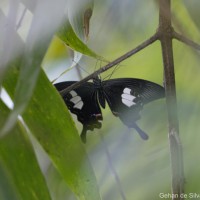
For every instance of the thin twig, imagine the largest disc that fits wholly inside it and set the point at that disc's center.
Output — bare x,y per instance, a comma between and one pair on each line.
117,179
186,40
111,64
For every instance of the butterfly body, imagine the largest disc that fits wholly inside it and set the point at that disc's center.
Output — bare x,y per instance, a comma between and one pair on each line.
124,96
100,91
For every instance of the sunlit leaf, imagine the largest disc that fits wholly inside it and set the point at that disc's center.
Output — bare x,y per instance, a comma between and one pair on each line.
51,124
69,37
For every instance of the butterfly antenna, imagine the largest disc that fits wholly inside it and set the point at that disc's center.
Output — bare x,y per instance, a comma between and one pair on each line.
79,66
96,64
142,134
114,70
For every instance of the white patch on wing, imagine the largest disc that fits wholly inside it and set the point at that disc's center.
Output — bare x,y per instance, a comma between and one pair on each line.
76,100
127,91
73,93
79,105
127,98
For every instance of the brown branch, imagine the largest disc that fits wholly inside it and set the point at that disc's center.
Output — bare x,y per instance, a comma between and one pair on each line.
165,32
111,64
185,40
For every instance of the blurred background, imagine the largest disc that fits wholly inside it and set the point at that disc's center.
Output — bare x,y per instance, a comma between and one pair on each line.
127,167
143,167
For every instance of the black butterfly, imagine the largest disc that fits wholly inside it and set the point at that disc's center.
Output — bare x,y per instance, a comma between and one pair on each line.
125,97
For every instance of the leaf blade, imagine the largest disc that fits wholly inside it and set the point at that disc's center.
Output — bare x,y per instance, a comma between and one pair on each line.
19,160
51,124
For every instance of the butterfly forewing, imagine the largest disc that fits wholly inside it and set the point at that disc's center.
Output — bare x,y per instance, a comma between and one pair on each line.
147,90
83,102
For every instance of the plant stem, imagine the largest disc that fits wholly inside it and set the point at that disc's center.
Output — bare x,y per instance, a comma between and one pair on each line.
165,32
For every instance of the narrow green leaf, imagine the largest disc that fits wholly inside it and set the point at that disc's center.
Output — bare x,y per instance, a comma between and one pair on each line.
7,190
57,186
48,119
19,161
69,37
50,122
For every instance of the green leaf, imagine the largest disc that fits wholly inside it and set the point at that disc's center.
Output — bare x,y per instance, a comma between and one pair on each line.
69,37
50,122
55,130
79,13
57,185
18,160
7,190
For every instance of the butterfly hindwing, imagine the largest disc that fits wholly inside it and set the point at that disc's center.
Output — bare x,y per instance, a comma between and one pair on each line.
126,97
83,102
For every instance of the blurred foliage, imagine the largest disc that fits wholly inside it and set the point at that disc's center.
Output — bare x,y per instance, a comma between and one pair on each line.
193,9
143,167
